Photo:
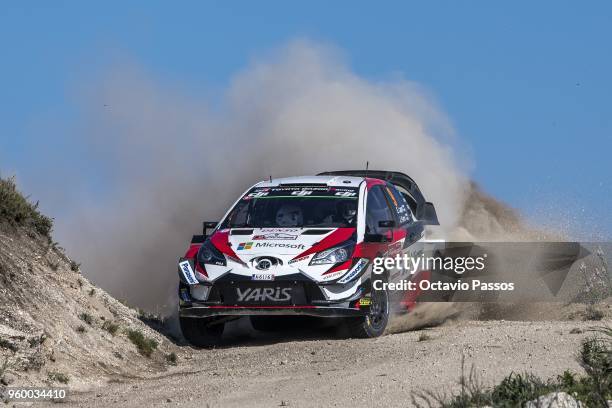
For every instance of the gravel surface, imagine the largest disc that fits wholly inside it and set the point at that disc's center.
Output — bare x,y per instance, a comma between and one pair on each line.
330,372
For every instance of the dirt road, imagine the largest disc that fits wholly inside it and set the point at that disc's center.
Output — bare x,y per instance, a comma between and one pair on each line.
298,372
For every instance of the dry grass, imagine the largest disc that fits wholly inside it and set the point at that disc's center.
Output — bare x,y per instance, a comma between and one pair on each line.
18,211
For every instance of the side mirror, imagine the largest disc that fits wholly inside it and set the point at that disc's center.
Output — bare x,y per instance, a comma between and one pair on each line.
208,225
386,224
429,215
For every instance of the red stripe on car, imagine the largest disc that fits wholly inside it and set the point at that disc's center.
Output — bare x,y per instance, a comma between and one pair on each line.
200,268
400,234
192,251
345,265
220,240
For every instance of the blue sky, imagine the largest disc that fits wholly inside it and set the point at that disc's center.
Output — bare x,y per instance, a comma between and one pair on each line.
526,84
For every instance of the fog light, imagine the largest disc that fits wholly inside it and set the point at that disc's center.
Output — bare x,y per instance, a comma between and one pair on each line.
200,292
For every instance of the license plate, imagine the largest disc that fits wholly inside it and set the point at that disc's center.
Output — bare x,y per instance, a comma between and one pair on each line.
262,277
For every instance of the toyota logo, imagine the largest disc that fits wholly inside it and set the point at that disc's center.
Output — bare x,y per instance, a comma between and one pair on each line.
263,264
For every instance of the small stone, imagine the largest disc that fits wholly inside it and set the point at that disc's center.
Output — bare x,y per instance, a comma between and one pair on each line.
554,400
7,379
575,330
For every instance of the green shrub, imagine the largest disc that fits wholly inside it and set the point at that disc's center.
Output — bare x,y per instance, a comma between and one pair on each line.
593,313
17,210
110,327
87,318
145,345
593,390
517,389
74,266
171,358
596,359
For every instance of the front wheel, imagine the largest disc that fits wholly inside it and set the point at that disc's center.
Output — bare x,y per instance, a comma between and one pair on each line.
374,323
201,332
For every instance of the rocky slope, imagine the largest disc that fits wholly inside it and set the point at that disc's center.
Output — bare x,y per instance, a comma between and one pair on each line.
56,327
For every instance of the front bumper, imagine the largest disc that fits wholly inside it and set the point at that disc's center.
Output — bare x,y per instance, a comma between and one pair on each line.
199,310
236,296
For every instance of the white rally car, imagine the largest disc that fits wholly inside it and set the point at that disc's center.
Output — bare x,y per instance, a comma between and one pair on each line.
302,246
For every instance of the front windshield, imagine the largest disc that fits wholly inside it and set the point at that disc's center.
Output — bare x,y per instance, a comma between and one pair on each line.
295,206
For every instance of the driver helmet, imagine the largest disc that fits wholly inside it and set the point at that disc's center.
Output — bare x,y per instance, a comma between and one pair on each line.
289,216
347,210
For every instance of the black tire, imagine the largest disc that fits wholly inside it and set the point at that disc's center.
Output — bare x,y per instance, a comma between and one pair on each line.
201,332
375,323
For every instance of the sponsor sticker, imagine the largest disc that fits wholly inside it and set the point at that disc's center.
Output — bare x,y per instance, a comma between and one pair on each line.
346,194
244,245
257,194
334,275
279,236
355,271
279,245
264,294
303,258
366,301
301,193
188,273
248,245
262,277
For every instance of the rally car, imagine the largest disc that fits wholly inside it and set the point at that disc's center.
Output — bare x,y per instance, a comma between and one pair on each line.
302,246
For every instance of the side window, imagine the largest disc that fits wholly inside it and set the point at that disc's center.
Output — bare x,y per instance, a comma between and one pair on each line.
377,210
238,216
411,201
399,204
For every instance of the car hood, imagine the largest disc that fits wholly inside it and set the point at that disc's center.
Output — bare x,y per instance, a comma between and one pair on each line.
245,242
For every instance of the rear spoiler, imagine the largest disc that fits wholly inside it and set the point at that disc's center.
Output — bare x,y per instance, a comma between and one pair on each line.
425,210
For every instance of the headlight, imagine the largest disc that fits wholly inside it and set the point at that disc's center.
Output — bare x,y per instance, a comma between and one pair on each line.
334,255
209,255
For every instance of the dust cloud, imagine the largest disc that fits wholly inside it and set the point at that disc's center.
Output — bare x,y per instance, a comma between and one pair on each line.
165,161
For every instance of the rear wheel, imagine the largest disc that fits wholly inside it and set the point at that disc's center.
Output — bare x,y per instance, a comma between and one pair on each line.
201,332
375,322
